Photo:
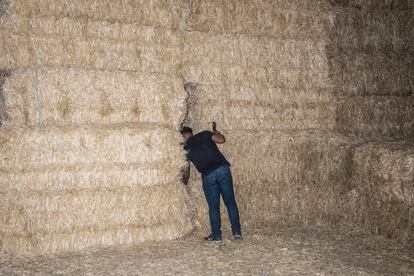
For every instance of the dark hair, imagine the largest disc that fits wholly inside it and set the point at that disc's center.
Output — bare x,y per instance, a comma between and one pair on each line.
185,129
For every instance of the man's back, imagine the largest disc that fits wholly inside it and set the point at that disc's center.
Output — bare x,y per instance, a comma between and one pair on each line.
203,153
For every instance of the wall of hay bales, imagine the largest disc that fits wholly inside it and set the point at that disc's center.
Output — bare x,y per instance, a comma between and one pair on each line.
89,111
95,91
371,61
372,68
261,71
298,95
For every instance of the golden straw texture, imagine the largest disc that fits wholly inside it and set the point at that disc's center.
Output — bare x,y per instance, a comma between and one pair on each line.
383,196
283,177
93,93
75,96
71,188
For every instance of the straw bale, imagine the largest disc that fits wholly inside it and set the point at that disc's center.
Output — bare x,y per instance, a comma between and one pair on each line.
205,16
32,213
26,148
373,29
75,241
374,4
286,19
75,96
58,159
69,27
86,177
375,73
258,76
87,44
243,108
382,200
21,51
76,187
254,62
282,177
250,51
376,116
148,12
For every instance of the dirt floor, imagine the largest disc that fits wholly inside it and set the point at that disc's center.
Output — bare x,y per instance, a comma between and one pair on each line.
273,251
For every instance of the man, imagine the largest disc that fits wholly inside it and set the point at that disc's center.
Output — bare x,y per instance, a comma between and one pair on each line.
202,151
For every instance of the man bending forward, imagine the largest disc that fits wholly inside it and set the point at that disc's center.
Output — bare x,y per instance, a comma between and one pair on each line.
202,151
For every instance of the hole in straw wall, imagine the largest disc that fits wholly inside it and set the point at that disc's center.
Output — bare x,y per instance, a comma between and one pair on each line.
192,90
3,113
4,5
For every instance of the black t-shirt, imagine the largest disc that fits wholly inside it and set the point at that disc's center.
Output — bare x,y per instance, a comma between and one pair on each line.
203,152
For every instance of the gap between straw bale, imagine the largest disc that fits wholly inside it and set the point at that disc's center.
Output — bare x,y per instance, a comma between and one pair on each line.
3,110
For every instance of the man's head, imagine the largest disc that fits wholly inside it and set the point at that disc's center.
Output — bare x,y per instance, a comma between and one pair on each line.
186,132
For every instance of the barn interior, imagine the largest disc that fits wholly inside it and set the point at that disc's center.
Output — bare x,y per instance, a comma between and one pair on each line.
315,99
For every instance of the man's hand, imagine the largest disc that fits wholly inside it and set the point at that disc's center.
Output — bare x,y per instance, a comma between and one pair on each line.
218,137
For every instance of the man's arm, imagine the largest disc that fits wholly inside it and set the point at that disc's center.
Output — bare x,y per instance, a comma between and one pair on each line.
218,137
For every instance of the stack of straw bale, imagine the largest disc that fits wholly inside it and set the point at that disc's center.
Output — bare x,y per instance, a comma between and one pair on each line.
251,79
68,188
90,107
92,95
299,176
261,72
294,105
382,199
279,19
371,59
284,177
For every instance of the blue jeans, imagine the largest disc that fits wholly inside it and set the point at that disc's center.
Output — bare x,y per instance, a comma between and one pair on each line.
215,183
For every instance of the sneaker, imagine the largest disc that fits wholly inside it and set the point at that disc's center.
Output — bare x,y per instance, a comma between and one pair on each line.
237,237
209,237
212,238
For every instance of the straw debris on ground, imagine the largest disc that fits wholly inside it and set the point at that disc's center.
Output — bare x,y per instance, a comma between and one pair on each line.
270,251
